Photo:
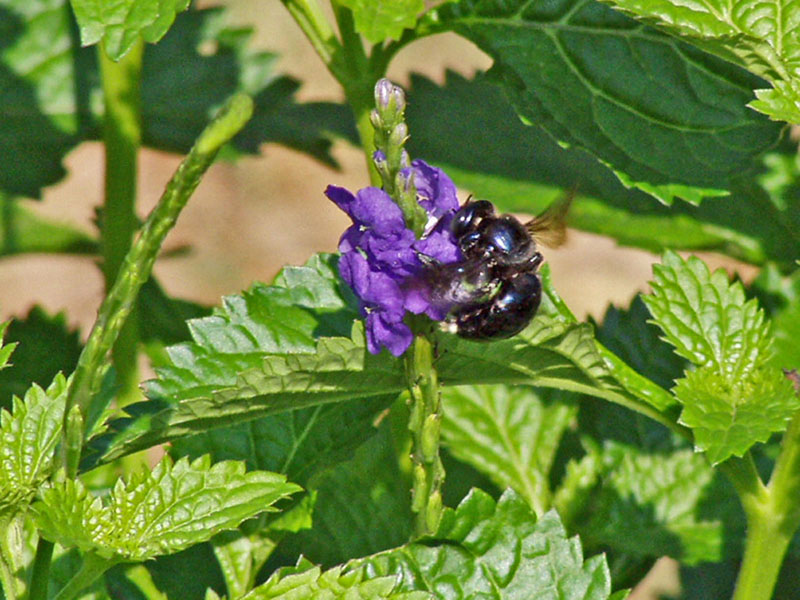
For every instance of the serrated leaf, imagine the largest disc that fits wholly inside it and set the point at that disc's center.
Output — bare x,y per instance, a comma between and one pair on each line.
159,512
706,318
120,24
45,347
761,37
728,418
261,354
308,581
497,550
508,433
522,169
163,319
381,20
28,437
667,118
656,504
734,398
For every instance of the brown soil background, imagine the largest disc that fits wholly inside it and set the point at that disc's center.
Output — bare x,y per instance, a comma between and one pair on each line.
247,220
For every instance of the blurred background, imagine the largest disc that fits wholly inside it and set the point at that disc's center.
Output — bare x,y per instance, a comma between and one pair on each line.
248,219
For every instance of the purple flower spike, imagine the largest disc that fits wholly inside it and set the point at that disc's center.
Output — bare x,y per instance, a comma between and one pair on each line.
381,256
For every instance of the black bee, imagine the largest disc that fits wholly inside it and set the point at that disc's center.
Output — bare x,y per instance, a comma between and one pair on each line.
495,291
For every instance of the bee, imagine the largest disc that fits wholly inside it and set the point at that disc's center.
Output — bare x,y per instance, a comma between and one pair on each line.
495,291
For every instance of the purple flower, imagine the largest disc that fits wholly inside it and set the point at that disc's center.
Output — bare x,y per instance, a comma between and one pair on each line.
381,256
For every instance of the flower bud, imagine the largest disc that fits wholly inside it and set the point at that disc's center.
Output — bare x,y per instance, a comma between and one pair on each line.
383,93
376,120
399,134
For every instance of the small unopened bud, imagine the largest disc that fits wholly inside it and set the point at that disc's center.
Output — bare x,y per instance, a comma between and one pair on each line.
399,134
405,161
405,180
383,93
375,119
429,447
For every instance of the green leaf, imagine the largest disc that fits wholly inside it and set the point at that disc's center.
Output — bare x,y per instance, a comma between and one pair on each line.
182,87
120,24
496,550
45,347
163,319
734,398
159,512
49,84
381,20
508,433
630,337
267,351
706,318
760,37
308,581
522,169
29,436
298,443
40,103
362,507
727,419
656,504
667,118
24,231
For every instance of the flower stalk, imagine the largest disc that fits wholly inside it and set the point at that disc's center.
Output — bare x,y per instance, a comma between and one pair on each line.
425,424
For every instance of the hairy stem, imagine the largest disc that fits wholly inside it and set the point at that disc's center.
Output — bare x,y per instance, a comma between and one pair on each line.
122,137
425,426
139,261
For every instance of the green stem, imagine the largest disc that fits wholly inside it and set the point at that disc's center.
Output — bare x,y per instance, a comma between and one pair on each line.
139,261
312,22
40,575
425,426
93,567
122,137
773,516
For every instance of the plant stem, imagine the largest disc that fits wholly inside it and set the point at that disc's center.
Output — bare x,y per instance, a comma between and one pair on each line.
425,426
40,575
773,516
93,566
312,22
122,138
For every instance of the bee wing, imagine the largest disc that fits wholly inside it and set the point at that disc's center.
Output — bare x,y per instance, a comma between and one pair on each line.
549,227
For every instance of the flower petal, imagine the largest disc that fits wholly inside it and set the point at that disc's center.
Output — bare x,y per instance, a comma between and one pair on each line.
437,192
385,329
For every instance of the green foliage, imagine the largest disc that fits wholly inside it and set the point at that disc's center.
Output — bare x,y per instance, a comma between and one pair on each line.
379,20
654,504
759,36
120,24
510,434
496,549
159,512
361,507
307,581
266,352
734,398
650,107
29,435
45,347
522,169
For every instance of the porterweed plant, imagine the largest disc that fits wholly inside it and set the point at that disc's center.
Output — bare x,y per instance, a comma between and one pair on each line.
330,434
